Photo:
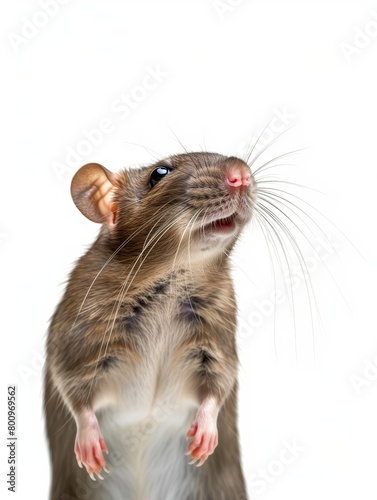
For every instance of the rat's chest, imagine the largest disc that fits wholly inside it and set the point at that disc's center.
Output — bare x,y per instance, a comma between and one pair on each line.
164,312
160,329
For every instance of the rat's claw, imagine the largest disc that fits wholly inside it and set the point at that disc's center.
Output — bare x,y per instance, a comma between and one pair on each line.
89,448
105,469
202,460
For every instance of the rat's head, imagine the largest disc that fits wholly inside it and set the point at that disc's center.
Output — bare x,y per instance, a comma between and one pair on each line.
192,205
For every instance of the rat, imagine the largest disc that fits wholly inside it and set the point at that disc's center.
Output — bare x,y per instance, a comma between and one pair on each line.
141,358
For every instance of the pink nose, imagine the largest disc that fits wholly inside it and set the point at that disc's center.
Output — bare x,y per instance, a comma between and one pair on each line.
238,175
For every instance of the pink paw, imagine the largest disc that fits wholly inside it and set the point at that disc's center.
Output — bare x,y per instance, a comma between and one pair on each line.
89,448
205,438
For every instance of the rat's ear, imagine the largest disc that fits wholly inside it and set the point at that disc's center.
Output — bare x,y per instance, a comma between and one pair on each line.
92,190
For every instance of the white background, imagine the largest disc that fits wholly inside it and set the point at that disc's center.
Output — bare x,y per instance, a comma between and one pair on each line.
224,72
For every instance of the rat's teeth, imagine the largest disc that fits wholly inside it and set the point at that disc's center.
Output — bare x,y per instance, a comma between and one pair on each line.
226,221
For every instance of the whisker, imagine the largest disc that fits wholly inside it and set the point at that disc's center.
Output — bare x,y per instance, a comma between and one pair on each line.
304,235
270,189
264,214
258,139
157,156
288,183
265,229
303,266
267,166
270,143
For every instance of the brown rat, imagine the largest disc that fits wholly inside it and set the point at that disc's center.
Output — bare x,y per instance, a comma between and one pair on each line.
141,351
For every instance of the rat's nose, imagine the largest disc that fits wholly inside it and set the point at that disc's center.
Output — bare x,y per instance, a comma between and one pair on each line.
237,174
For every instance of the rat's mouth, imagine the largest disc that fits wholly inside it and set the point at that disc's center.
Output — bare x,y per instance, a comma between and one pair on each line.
222,225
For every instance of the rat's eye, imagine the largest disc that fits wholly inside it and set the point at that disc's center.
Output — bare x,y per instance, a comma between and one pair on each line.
158,174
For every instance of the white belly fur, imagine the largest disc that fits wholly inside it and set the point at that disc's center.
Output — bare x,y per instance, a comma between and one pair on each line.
147,461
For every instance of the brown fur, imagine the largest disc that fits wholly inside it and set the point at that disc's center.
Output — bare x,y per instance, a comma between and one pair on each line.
112,330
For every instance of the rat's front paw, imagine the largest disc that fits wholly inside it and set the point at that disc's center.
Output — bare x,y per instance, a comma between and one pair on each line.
89,448
204,436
